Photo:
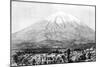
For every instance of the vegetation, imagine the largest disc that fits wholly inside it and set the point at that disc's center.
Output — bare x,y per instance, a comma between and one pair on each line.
41,56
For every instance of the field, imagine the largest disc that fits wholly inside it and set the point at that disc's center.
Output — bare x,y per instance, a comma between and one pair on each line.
43,56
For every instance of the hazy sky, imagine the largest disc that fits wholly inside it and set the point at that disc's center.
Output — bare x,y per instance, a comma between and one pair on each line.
24,14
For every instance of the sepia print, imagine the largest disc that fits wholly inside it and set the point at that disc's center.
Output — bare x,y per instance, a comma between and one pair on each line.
45,33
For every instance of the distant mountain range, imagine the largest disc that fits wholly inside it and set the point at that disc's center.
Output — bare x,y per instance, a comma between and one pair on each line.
59,30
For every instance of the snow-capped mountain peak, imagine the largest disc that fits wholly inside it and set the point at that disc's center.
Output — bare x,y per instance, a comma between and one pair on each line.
61,17
59,27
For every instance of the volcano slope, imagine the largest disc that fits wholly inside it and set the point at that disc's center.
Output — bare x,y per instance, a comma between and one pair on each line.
59,30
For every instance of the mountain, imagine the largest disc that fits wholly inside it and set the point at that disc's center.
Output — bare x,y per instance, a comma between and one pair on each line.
57,30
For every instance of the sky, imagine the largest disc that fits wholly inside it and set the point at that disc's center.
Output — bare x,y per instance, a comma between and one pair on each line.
24,13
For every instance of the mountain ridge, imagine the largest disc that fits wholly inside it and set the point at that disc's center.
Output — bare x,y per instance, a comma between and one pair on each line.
57,28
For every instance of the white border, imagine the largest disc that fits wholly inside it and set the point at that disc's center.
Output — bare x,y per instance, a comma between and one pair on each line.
5,33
